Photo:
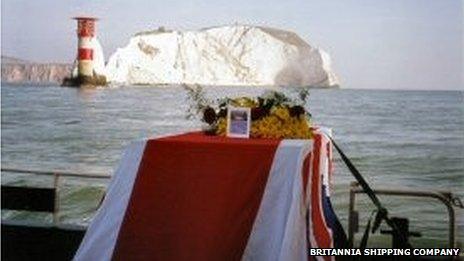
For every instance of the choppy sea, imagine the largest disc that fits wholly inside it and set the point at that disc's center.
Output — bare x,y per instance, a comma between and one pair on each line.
397,139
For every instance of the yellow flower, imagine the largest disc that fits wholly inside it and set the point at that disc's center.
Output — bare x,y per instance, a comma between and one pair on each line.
221,127
278,124
244,102
281,112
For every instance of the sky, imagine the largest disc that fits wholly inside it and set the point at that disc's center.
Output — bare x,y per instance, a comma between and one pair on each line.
381,44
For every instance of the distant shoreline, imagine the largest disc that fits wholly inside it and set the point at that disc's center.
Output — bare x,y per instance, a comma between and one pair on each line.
161,85
34,73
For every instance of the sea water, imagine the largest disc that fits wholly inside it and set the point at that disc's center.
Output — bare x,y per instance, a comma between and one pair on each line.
397,139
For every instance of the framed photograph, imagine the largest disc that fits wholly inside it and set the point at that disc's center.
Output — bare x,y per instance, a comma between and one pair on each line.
238,122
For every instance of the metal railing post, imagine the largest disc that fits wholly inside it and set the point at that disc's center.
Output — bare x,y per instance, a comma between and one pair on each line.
451,217
56,217
351,215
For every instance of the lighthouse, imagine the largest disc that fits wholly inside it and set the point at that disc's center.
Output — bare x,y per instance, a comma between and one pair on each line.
85,33
86,74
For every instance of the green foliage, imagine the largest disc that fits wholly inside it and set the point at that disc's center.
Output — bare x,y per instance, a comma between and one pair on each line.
196,98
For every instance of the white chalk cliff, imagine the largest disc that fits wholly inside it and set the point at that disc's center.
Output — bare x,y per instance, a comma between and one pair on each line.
227,55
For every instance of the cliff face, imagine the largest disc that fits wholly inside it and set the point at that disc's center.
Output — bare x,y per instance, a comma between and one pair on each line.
228,55
19,71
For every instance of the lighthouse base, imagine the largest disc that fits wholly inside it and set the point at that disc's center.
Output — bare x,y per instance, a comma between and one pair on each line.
84,81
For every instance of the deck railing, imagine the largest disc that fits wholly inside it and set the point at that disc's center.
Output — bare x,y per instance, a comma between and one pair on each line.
57,175
445,197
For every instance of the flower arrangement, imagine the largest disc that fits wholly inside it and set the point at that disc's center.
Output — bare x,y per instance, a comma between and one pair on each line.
273,114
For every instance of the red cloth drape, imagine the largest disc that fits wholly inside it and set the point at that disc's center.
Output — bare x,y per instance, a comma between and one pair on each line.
195,198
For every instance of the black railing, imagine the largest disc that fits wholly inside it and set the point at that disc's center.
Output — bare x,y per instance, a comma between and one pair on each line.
447,198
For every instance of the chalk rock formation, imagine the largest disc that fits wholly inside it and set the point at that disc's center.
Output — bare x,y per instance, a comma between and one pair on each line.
227,55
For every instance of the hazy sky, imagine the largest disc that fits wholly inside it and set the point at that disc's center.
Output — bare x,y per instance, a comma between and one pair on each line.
395,44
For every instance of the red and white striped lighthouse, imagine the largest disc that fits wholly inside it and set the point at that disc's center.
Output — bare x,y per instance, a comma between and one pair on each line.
85,33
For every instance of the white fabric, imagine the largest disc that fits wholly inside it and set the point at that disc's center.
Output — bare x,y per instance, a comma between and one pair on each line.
279,229
101,236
